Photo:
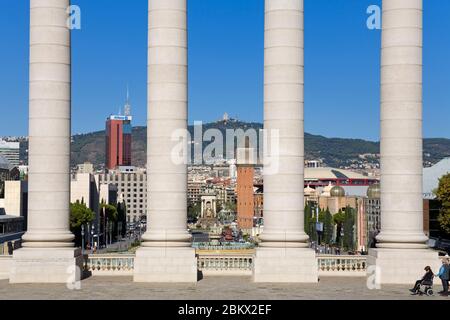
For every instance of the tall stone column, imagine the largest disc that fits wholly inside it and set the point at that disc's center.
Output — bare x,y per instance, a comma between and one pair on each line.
284,255
402,251
48,253
166,255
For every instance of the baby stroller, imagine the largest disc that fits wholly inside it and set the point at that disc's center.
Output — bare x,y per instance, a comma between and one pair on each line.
426,288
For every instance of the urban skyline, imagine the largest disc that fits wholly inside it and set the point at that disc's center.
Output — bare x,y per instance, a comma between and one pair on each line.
257,209
108,54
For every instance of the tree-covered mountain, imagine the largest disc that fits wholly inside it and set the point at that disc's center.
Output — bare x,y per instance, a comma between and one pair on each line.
335,152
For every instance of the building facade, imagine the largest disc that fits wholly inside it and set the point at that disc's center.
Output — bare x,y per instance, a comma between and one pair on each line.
131,184
11,152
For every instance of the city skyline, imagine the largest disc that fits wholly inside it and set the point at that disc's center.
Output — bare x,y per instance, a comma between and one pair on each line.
342,59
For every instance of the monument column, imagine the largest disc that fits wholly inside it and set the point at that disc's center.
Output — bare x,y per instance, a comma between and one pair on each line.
166,254
401,250
48,250
284,255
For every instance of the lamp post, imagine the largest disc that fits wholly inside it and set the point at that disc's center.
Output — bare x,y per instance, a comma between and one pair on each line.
88,233
92,239
82,239
110,228
105,229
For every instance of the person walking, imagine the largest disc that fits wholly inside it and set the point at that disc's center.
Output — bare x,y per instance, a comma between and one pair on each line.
444,275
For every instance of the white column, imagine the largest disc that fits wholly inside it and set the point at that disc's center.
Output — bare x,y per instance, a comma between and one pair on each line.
283,256
48,238
167,239
402,236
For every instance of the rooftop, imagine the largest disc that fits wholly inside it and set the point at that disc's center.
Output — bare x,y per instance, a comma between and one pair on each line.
210,288
332,173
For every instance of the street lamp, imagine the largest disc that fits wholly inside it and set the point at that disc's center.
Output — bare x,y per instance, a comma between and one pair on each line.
88,234
92,239
82,239
110,232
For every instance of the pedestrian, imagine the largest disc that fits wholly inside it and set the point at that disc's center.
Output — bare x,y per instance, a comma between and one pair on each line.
444,275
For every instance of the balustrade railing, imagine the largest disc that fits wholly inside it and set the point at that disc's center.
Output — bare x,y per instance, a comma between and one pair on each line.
225,264
337,266
110,265
224,247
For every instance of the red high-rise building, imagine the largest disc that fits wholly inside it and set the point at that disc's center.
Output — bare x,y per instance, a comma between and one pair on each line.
118,139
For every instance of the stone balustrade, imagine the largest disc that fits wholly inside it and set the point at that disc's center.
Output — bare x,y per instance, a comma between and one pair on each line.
337,266
213,264
109,265
224,265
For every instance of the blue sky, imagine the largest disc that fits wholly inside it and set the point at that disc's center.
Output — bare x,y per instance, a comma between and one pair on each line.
226,64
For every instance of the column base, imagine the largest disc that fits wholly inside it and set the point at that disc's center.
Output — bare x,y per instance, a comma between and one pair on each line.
165,265
46,265
281,265
401,266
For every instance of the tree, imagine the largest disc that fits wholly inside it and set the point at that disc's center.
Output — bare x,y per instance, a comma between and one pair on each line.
194,211
110,211
307,219
109,214
230,206
443,194
328,227
338,220
79,215
122,218
349,229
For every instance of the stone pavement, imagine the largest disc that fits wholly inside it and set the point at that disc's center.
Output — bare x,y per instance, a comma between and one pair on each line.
220,288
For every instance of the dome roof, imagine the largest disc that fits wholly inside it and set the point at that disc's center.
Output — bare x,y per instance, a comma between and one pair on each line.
326,191
337,191
374,191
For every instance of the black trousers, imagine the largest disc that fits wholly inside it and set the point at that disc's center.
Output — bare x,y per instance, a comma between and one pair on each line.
417,285
445,285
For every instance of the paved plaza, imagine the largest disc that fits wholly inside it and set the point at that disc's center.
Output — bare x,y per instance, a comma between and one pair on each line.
210,288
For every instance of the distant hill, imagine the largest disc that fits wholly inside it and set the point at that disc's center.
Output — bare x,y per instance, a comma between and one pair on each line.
335,152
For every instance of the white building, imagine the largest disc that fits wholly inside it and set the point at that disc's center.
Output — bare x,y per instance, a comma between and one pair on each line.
86,167
11,151
131,183
432,175
15,202
85,188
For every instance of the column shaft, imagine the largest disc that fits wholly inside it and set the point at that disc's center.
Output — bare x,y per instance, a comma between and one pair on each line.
167,115
283,112
49,125
401,126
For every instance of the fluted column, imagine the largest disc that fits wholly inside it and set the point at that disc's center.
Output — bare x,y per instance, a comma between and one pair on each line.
401,249
401,126
283,255
167,114
167,255
49,126
283,112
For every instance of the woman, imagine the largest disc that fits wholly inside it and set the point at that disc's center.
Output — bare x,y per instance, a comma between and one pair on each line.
444,275
427,278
